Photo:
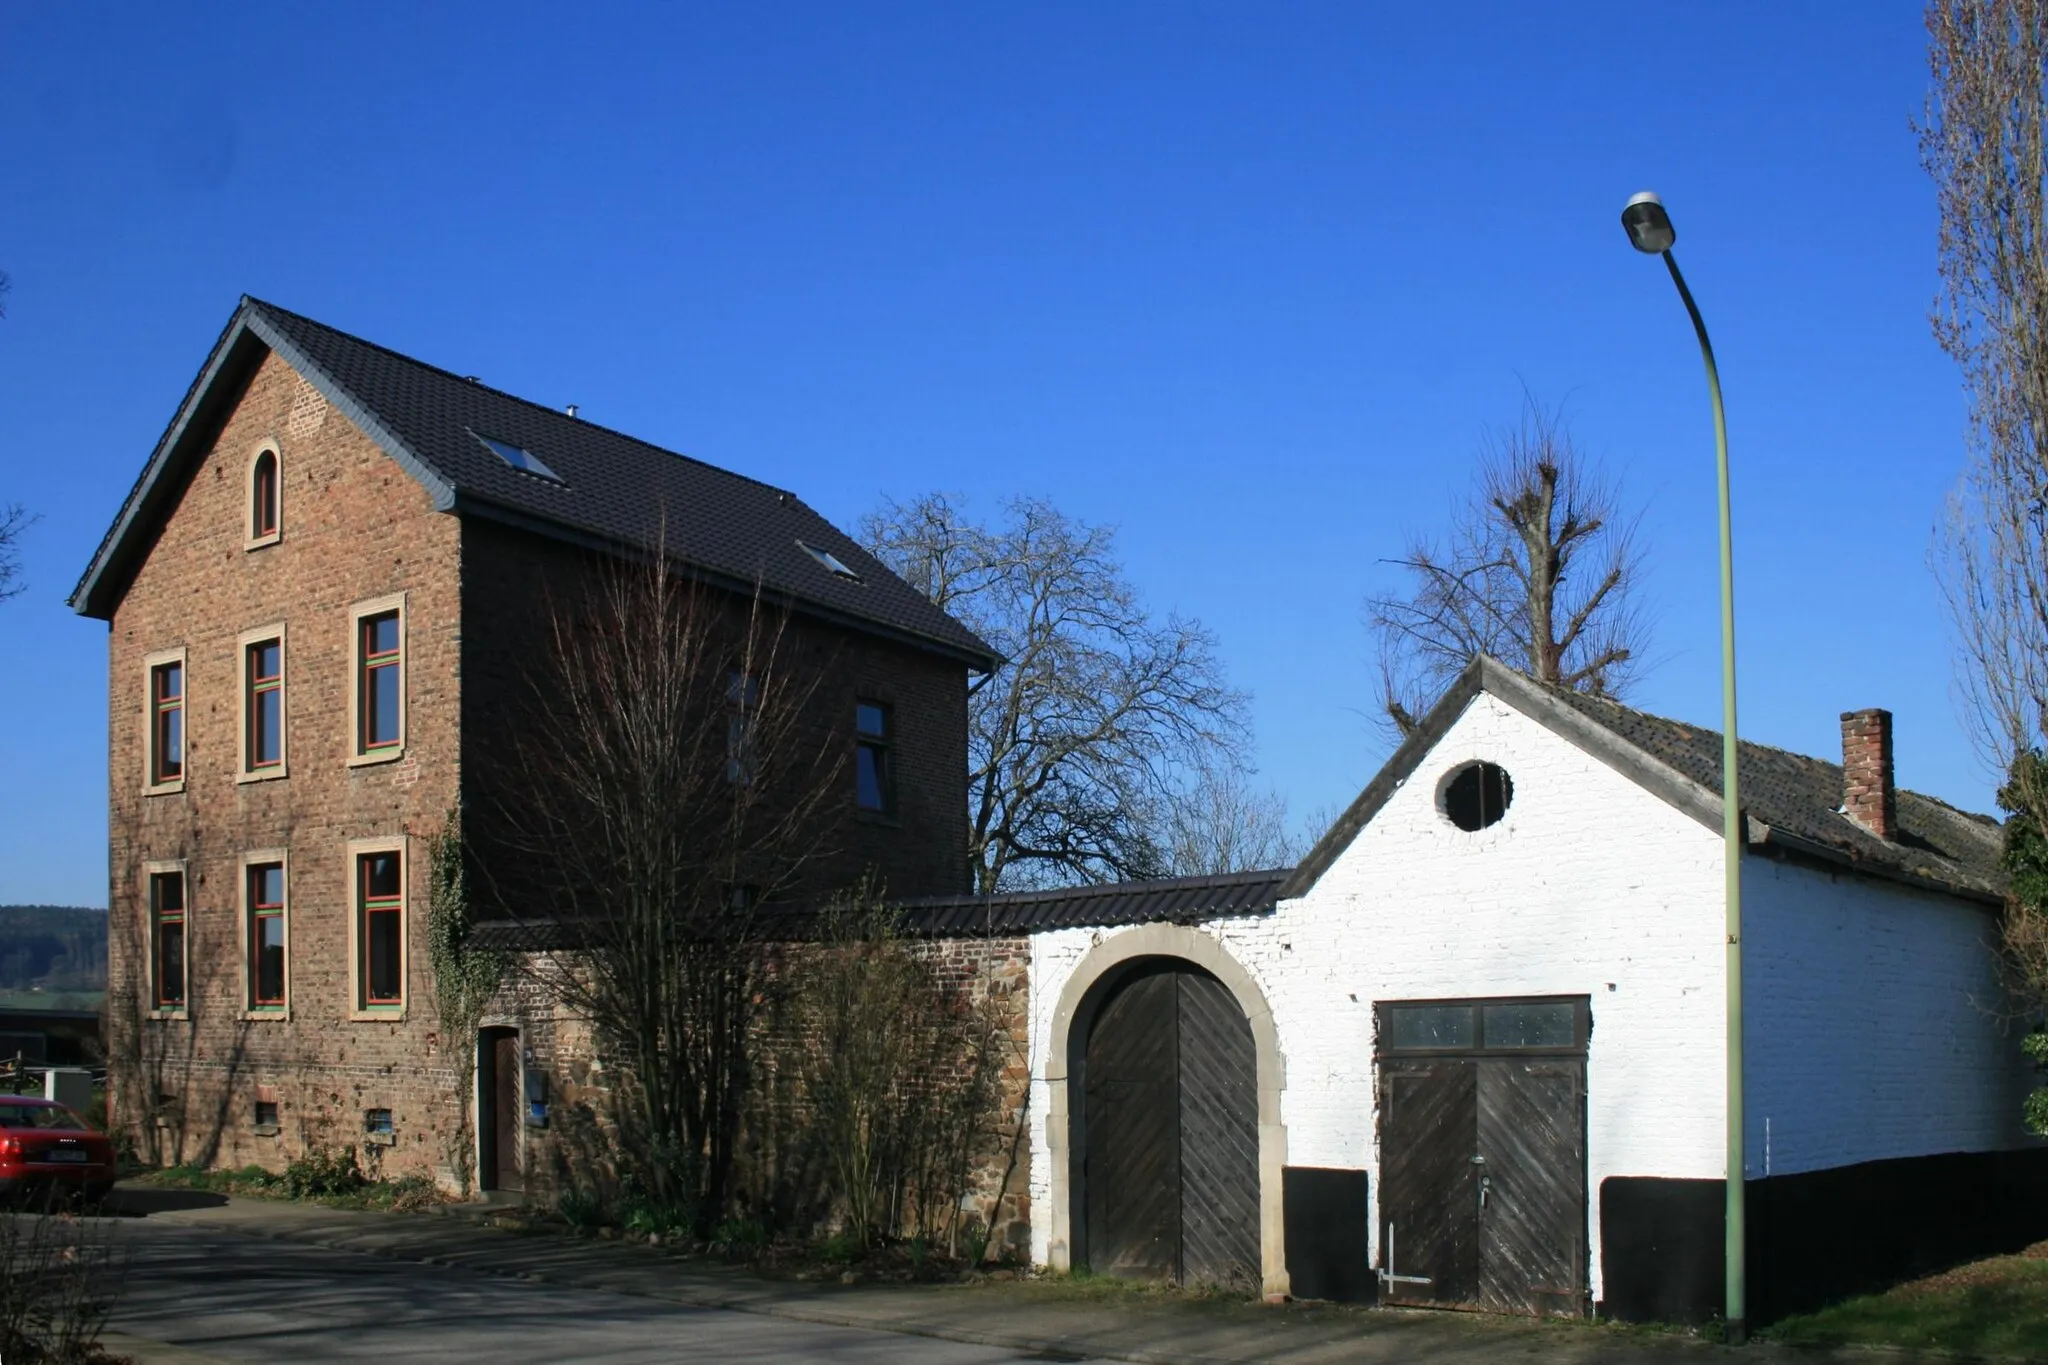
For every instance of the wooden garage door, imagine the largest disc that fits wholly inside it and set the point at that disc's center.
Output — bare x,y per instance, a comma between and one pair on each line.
1483,1154
1170,1165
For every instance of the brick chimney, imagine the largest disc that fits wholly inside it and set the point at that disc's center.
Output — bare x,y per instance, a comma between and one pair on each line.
1868,795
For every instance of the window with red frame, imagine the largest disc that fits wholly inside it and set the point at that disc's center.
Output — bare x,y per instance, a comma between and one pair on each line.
263,497
167,723
266,935
167,937
266,704
380,688
380,928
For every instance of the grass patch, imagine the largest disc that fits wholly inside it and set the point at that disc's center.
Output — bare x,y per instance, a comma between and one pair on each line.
405,1194
1995,1307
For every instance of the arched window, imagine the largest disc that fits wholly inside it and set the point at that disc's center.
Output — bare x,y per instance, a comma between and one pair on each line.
263,498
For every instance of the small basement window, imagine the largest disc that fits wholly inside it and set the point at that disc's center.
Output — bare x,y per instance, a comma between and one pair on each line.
829,560
376,1120
1476,795
520,458
266,1113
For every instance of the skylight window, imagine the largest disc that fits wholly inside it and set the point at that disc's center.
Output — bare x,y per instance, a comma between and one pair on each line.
829,560
519,458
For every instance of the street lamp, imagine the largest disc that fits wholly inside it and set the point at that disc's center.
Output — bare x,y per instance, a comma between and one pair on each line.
1649,230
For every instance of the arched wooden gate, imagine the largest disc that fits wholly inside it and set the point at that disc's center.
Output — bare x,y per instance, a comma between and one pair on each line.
1169,1142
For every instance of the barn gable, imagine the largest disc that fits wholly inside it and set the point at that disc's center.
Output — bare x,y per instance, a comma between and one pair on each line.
1791,802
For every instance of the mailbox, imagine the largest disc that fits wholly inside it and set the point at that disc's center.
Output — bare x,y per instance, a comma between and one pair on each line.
536,1098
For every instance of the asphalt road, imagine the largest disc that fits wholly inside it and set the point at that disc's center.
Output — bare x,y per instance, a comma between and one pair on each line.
242,1298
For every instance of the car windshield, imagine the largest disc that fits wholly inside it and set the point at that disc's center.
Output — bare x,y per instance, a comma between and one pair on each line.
38,1116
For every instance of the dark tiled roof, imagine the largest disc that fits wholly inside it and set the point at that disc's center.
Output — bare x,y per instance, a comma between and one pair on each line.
1176,900
614,492
1799,796
1792,802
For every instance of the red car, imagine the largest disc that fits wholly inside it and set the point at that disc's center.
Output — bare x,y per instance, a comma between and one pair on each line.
43,1144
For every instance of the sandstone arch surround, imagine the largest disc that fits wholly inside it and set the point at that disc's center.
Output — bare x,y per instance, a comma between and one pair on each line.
1207,952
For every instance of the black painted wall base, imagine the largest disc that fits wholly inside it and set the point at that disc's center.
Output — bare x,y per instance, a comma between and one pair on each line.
1329,1230
1817,1237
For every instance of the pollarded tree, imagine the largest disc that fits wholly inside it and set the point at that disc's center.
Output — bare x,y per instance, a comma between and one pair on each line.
1540,569
1100,710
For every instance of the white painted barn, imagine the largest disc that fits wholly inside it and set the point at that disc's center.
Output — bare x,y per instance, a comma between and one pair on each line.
1476,1040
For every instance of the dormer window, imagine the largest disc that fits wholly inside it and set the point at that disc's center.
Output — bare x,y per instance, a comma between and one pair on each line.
264,496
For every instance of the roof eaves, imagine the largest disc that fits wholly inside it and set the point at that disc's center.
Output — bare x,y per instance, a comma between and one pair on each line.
470,504
88,597
1770,837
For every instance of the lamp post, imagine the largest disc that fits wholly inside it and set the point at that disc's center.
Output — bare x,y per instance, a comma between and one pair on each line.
1649,229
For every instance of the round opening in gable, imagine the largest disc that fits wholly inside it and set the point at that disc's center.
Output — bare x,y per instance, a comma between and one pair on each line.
1476,795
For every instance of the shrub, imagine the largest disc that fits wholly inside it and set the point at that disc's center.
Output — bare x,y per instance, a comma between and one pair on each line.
58,1278
320,1171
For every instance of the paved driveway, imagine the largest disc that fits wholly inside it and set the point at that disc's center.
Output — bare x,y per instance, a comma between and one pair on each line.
234,1297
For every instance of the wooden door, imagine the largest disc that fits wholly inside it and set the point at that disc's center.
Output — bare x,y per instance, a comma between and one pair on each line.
1429,1182
506,1065
1171,1132
1132,1173
1532,1139
1219,1136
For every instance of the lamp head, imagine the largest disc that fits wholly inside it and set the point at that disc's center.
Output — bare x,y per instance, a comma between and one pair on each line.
1648,225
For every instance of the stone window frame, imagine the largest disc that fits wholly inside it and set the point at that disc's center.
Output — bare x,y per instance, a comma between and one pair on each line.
252,538
152,964
359,1009
151,663
358,754
244,690
245,918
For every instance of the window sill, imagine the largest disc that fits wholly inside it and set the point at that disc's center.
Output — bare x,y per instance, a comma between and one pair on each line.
380,756
258,542
180,1013
280,1014
163,788
265,1130
887,818
380,1139
262,774
378,1014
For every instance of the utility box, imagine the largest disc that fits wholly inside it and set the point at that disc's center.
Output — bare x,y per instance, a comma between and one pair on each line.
70,1086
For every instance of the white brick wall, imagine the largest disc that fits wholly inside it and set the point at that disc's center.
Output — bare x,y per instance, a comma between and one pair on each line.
1872,1024
1589,886
1868,1025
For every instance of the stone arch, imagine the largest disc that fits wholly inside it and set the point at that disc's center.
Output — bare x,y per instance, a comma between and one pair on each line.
1089,981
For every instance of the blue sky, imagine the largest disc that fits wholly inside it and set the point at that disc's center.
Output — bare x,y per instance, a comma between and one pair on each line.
1248,281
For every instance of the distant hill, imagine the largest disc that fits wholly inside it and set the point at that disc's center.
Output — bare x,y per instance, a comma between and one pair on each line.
52,948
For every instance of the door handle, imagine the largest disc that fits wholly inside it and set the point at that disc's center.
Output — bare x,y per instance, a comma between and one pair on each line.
1485,1185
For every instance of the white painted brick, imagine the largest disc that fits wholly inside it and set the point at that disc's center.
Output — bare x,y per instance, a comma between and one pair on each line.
1870,1008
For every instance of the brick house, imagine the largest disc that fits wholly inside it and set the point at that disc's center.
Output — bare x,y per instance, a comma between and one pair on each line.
319,593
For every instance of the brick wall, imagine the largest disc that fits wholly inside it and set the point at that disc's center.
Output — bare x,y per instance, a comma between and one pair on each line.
354,527
519,581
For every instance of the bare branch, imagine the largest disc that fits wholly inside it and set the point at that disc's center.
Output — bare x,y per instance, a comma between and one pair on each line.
1099,712
1540,571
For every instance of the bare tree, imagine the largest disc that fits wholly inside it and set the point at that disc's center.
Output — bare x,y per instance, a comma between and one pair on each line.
1984,140
14,519
1099,708
1540,570
1222,823
677,780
